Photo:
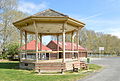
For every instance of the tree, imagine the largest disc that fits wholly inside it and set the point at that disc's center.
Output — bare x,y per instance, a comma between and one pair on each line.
12,49
9,14
93,40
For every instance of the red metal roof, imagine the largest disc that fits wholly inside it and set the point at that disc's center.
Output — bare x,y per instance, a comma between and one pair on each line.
68,45
31,46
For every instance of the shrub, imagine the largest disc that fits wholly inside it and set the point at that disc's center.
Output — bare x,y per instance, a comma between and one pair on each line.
12,49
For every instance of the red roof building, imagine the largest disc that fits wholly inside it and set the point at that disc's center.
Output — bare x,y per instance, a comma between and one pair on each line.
31,46
53,45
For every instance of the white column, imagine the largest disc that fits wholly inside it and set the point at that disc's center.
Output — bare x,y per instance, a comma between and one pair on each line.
41,45
40,42
64,25
49,56
77,43
25,44
40,39
21,38
57,46
36,43
72,41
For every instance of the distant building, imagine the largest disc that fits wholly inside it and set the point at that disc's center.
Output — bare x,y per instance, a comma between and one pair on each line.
54,46
31,48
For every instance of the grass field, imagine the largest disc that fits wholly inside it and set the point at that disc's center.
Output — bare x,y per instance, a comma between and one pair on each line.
9,71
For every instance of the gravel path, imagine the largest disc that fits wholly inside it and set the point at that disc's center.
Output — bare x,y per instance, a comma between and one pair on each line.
110,73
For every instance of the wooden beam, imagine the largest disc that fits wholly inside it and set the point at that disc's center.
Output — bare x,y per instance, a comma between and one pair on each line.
58,46
60,19
36,38
40,45
77,41
21,38
52,51
33,18
39,54
40,42
26,44
49,56
72,41
54,34
63,37
45,52
77,35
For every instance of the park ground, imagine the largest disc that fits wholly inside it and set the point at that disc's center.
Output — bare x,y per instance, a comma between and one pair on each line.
9,71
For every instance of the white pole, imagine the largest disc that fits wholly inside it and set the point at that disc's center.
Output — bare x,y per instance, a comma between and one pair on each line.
64,42
25,44
57,46
78,44
21,38
36,43
72,41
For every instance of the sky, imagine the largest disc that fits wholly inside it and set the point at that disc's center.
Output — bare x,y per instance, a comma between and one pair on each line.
98,15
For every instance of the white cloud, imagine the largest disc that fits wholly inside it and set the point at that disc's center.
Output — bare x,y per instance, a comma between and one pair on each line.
99,24
92,16
115,31
30,7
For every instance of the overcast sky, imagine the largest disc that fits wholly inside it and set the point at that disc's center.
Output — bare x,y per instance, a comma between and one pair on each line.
98,15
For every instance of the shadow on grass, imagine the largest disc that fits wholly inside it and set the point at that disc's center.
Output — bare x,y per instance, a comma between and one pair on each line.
9,65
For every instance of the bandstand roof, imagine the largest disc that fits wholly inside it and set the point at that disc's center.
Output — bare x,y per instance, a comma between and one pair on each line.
48,22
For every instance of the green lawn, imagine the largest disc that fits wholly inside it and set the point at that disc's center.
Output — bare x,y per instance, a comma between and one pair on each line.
9,72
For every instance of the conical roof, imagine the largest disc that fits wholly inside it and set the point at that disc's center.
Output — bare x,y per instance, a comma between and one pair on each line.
49,13
48,22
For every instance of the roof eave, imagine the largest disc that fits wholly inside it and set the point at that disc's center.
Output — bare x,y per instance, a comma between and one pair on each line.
42,18
75,22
